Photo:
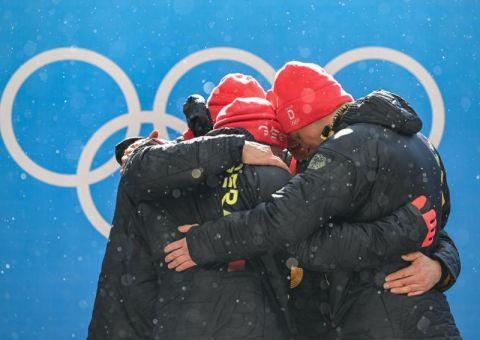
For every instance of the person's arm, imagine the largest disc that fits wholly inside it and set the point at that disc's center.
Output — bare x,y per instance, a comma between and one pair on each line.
306,201
350,246
447,255
358,246
445,251
154,170
326,190
442,267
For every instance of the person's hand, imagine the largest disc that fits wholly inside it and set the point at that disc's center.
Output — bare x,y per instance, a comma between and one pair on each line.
178,256
153,135
130,149
419,277
259,154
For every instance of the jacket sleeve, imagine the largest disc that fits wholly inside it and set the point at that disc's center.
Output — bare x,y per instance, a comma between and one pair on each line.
326,190
358,246
154,170
445,250
447,254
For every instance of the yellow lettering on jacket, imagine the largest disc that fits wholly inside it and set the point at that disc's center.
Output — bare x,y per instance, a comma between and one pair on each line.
230,197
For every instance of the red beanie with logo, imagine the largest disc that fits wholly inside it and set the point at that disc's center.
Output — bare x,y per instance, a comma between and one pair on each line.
256,115
232,86
304,93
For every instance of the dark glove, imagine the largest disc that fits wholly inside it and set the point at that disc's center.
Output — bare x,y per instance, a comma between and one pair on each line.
198,117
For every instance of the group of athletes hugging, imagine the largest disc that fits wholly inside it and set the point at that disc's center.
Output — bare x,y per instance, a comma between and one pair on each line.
293,213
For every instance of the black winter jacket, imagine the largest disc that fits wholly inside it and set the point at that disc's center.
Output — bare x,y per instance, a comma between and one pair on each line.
375,162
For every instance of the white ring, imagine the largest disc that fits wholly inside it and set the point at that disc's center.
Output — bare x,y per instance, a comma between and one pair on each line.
132,119
85,162
27,69
159,117
411,65
88,154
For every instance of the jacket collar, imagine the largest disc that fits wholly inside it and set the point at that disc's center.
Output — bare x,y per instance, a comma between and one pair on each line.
381,108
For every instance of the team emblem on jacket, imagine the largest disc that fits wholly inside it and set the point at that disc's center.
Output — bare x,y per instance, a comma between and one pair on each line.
318,161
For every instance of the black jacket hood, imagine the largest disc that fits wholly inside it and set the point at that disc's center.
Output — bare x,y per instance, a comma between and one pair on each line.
382,108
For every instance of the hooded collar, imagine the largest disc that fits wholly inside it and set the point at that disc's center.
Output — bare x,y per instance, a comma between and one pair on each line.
381,108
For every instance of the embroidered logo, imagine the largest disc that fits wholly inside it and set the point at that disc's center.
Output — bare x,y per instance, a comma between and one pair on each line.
318,161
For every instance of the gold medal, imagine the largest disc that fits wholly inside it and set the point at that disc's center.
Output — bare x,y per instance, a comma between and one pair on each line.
296,276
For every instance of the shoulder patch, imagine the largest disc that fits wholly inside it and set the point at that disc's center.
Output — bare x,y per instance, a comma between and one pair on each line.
318,161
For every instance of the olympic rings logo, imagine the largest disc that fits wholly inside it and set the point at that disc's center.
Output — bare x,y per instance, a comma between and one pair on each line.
133,119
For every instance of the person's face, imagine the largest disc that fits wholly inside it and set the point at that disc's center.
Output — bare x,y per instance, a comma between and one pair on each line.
303,141
296,149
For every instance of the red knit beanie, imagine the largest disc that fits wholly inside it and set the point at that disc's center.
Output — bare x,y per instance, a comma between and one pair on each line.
304,93
256,115
232,86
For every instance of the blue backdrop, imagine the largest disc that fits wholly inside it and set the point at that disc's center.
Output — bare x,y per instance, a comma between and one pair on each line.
63,109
